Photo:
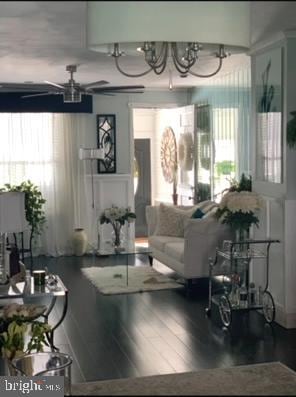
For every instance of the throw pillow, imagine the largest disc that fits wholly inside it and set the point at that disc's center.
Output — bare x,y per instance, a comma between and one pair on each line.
197,214
170,220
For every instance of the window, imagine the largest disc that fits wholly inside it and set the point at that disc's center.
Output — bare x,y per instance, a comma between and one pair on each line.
26,150
225,125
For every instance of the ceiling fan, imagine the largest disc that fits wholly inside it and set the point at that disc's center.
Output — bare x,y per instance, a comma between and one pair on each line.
71,91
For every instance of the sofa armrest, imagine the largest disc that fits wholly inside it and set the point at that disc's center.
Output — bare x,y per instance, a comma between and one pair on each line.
202,237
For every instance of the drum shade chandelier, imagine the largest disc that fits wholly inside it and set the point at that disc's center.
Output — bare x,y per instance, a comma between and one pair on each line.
157,62
168,35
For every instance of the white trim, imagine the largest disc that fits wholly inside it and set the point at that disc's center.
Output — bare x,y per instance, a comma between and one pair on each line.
166,89
148,105
108,176
132,151
273,40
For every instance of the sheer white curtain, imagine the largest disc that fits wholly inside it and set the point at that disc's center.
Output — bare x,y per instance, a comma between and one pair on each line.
43,147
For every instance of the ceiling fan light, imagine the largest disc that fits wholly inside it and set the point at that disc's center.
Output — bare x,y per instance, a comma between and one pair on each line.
72,97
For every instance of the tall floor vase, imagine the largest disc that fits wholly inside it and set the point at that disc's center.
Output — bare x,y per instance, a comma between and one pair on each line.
79,241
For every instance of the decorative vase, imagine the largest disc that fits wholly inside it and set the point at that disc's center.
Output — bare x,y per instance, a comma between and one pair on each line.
117,236
241,235
79,241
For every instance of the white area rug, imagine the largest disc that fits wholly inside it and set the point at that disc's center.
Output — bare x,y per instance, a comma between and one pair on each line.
246,380
112,279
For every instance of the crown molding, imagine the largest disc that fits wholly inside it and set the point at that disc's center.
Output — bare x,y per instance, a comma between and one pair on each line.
271,41
277,38
162,89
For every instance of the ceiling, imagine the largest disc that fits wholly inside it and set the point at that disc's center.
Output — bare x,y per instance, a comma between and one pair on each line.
39,38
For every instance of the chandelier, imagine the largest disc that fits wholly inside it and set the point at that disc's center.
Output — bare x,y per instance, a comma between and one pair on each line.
156,55
180,36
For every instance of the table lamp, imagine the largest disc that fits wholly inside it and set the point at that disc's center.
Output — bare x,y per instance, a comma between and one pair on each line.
12,220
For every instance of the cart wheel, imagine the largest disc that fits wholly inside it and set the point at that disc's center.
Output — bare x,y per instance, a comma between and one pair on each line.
208,311
268,307
225,310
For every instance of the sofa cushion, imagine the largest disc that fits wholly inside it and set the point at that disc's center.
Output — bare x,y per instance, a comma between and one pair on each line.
175,250
159,242
207,206
211,213
170,220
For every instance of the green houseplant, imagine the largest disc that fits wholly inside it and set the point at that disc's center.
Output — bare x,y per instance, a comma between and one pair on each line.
34,202
21,332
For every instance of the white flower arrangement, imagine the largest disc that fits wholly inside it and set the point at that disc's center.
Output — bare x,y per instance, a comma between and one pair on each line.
238,209
243,201
117,216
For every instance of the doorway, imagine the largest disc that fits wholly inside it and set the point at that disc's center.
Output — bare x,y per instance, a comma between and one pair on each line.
142,184
150,185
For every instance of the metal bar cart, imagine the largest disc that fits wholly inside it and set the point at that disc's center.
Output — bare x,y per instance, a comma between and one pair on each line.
231,266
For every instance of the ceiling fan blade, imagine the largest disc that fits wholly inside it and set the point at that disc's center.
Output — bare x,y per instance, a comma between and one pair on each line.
41,94
119,88
22,87
54,84
95,83
104,93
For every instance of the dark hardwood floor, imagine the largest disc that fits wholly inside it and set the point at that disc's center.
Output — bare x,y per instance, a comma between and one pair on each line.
156,332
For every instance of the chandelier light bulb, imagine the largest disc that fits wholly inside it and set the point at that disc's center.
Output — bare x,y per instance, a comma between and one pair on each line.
170,80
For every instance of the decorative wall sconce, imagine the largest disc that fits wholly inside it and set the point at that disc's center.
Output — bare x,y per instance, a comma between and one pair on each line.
106,139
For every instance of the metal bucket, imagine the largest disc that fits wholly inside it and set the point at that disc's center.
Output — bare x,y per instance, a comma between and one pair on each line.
44,364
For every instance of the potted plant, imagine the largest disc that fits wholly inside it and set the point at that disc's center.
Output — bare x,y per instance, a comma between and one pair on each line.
34,202
21,332
239,208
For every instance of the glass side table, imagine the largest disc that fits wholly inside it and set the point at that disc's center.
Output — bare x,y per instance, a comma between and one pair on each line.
129,249
29,290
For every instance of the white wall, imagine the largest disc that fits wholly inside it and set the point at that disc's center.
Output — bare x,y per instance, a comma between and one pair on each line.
121,105
269,17
279,218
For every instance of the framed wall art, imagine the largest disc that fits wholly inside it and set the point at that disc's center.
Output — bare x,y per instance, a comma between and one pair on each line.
106,139
268,102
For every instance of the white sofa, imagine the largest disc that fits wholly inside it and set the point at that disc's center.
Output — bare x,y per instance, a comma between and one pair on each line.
187,255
